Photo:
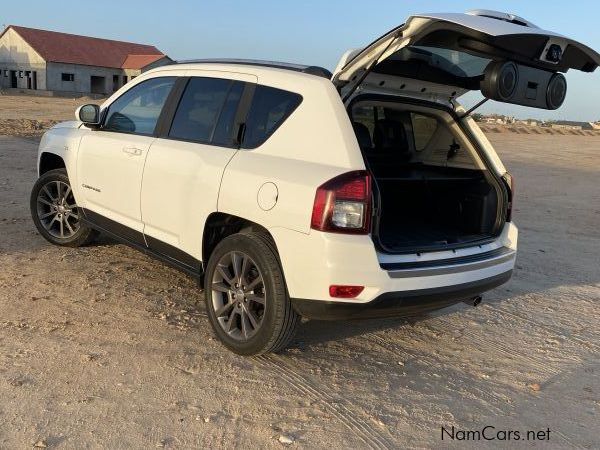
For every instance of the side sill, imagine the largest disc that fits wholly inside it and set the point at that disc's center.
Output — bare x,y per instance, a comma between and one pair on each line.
135,239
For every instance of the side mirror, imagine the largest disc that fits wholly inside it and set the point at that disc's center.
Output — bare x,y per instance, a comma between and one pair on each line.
88,114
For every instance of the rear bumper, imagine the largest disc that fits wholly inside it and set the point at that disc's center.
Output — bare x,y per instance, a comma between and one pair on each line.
398,304
313,262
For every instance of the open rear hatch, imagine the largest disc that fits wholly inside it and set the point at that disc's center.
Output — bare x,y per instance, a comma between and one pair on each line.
434,189
445,55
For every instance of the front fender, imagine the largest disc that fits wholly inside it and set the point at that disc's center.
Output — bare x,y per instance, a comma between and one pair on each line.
63,141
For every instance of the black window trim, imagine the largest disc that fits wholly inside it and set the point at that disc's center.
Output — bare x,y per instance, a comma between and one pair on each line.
216,124
173,101
134,133
163,125
239,122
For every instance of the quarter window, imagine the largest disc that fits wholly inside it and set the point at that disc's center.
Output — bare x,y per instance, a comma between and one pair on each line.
424,128
270,107
137,110
206,111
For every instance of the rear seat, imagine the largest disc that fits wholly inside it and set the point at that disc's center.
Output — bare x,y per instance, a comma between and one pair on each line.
388,149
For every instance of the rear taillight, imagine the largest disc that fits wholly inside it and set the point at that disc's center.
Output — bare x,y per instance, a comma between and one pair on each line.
509,181
343,204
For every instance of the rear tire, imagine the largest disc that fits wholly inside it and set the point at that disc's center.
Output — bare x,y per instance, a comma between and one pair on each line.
55,212
246,297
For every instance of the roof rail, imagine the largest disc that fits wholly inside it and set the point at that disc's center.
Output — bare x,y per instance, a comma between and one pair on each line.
312,70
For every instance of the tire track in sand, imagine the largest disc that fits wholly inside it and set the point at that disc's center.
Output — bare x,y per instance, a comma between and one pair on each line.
341,409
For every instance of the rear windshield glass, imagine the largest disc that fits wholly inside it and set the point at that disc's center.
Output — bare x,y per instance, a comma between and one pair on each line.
456,62
270,107
438,65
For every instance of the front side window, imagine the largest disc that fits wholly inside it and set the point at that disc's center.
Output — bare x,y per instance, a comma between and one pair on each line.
270,107
206,111
137,110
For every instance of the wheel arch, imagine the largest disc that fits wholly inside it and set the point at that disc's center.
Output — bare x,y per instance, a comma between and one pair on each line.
50,161
219,225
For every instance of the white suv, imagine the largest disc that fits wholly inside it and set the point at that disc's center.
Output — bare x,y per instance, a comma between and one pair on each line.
290,191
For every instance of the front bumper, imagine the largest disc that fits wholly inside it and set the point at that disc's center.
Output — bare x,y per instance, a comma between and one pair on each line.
398,304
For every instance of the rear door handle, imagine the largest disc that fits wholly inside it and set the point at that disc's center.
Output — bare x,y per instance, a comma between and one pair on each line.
132,150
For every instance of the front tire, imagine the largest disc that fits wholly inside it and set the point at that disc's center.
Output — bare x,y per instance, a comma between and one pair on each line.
55,212
246,297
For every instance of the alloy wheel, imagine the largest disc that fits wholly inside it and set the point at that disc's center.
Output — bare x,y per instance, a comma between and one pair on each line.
57,210
238,295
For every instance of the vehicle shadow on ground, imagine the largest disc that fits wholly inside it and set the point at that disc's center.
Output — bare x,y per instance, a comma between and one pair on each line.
320,332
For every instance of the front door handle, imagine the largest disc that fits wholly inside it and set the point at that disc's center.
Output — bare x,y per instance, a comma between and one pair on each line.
132,150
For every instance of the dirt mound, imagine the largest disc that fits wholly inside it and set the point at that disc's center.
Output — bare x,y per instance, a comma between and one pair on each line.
25,127
499,128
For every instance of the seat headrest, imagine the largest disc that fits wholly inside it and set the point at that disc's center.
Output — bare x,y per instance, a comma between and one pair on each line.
390,135
362,135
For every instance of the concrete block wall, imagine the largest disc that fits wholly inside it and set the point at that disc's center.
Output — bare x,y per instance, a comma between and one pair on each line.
82,77
17,55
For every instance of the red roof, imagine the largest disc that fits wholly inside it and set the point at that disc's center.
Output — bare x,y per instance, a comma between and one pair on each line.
140,61
73,49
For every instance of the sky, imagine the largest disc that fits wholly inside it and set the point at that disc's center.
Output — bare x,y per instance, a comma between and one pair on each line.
309,32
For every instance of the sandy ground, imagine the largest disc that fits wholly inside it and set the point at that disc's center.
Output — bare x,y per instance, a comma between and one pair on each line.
104,347
26,115
41,108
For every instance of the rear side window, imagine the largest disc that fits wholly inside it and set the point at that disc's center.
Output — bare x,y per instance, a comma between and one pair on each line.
206,111
270,108
138,109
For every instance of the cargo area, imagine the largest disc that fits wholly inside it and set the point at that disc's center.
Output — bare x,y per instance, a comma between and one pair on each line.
429,207
431,192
